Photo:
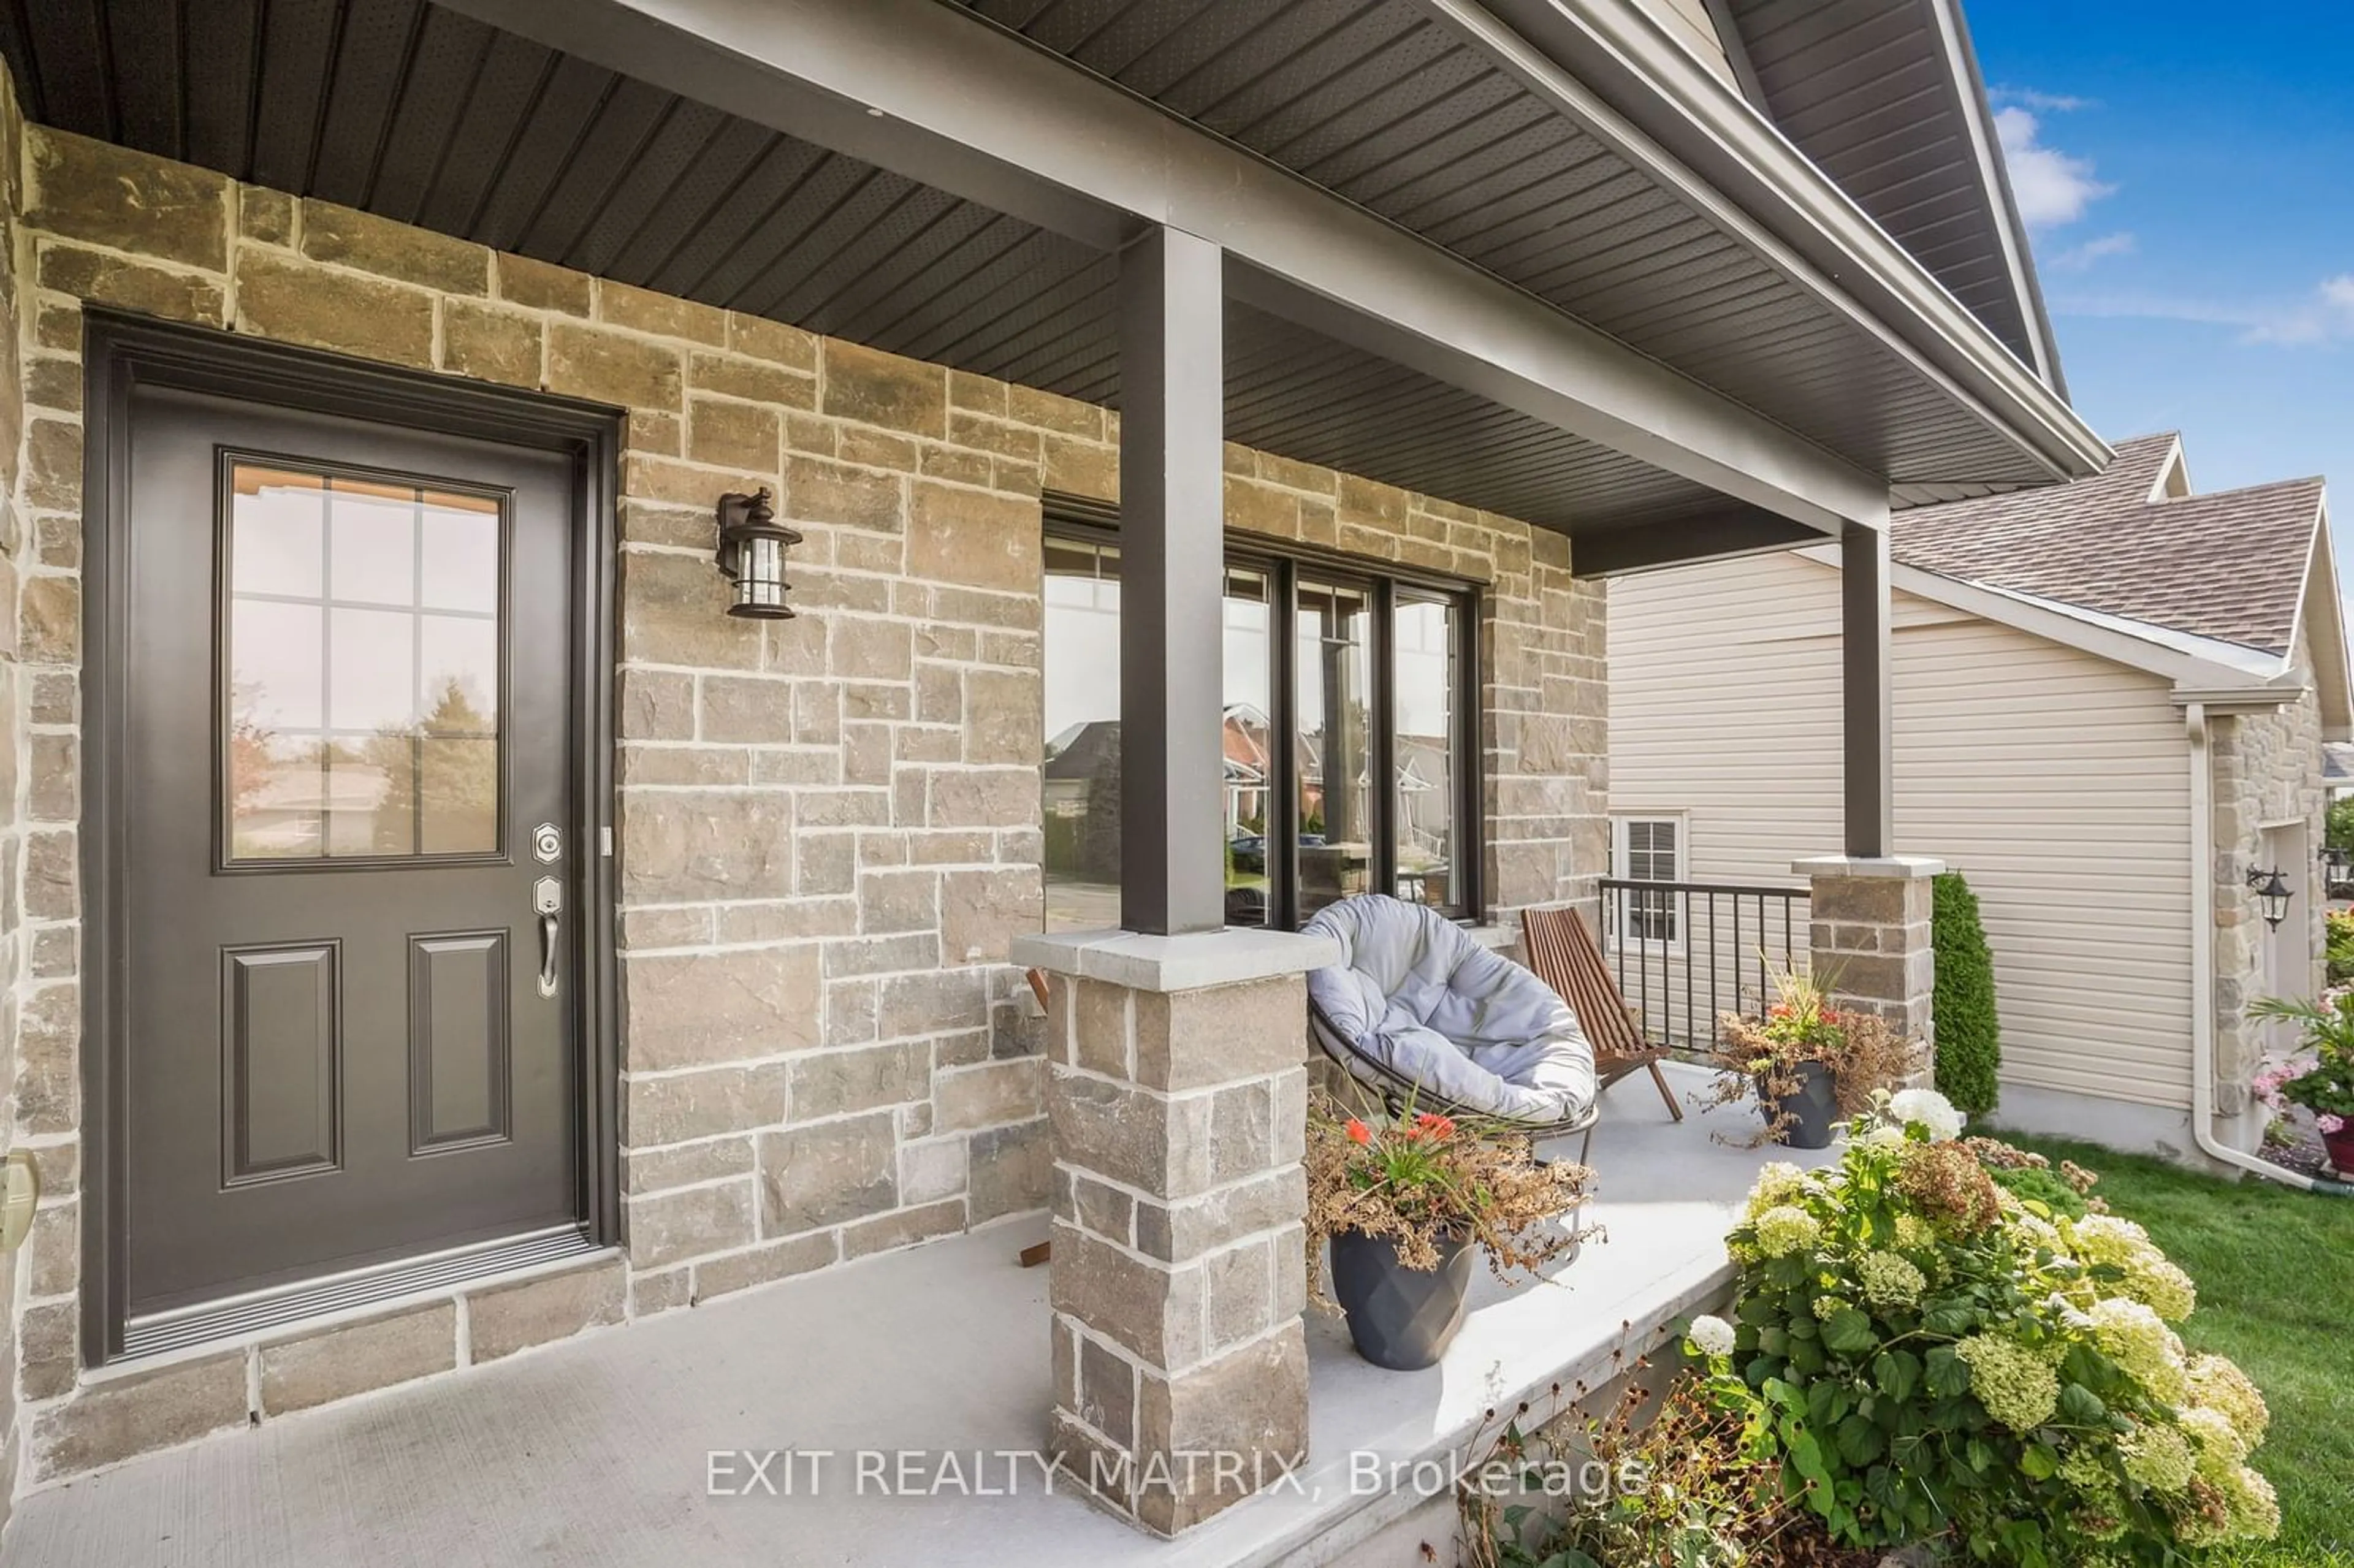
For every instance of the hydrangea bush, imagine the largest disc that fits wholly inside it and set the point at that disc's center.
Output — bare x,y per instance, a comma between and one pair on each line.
1937,1358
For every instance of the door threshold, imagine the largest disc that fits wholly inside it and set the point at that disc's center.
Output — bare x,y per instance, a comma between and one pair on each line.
241,1316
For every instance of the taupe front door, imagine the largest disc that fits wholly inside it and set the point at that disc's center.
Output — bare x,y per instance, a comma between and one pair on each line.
348,1008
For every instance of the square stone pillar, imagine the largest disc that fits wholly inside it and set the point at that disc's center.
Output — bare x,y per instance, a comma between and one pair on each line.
1867,938
1177,1093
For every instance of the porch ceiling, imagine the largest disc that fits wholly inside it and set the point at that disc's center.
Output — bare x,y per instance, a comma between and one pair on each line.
426,116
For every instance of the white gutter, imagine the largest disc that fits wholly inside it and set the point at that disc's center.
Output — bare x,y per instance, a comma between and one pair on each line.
2202,973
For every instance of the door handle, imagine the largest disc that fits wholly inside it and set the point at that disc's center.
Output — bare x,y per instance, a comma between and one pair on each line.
547,901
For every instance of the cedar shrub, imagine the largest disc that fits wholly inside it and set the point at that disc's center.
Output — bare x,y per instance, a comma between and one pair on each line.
1969,1040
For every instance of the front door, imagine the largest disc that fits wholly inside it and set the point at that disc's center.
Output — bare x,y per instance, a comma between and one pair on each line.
348,1008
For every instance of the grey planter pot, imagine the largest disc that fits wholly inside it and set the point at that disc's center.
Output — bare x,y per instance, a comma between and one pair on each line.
1813,1110
1400,1317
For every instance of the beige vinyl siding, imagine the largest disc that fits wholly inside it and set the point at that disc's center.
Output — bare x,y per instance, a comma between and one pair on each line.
2055,780
1689,22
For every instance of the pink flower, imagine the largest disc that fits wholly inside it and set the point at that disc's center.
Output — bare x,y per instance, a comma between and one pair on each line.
2330,1126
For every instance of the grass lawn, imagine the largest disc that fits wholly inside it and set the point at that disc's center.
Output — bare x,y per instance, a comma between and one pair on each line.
2275,1272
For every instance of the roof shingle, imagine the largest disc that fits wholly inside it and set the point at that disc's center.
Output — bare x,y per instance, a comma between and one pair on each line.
2230,566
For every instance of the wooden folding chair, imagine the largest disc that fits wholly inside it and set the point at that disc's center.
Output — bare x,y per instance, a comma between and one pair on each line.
1564,954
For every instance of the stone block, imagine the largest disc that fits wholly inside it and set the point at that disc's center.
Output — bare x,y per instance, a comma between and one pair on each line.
765,1263
1104,1395
819,489
933,1003
138,1414
1192,1038
932,1169
878,389
731,434
837,1083
265,216
899,901
1010,1171
373,244
491,344
357,1358
685,1164
974,538
541,286
765,339
692,1009
1152,1312
864,648
990,1095
132,201
1003,716
1240,1282
674,612
985,797
52,478
983,911
107,280
827,1173
731,376
510,1318
682,846
671,1227
49,1343
653,1293
1251,1401
664,315
1150,1142
757,711
1103,1028
906,1227
1176,1232
1858,900
281,298
611,367
679,1107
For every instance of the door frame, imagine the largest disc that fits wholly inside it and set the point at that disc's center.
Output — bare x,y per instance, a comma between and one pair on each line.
124,352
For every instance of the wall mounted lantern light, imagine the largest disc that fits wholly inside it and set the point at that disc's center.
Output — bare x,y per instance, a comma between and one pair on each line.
752,546
2272,894
2336,865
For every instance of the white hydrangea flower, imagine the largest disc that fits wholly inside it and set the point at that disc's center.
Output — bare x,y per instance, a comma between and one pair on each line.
1712,1336
1885,1135
1931,1109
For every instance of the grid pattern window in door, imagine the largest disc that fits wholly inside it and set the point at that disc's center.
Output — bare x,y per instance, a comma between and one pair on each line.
362,666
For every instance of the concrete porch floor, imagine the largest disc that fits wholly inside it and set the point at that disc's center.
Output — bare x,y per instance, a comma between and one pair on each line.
594,1452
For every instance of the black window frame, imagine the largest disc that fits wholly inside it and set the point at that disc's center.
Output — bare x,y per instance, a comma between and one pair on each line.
1281,561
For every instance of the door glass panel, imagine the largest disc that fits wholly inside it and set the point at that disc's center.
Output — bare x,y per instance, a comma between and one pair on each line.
1422,681
364,668
1334,660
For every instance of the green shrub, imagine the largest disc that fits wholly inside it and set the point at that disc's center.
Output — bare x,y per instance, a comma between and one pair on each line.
1969,1039
1935,1359
2044,1188
2340,926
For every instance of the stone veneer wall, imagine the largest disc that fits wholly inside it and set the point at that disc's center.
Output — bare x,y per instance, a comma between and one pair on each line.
828,827
2268,769
19,776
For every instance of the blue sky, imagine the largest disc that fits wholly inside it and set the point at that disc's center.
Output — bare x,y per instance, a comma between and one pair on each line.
2188,170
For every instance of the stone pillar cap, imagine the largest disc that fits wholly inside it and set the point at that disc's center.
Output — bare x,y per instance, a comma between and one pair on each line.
1895,866
1194,961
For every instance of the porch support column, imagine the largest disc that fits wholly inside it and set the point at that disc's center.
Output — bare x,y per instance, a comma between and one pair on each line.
1864,653
1177,1092
1173,544
1867,938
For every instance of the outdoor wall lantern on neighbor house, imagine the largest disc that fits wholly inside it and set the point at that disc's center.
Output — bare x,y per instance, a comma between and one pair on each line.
2336,865
752,546
2272,894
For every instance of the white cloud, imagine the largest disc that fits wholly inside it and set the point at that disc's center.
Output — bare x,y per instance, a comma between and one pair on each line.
2042,102
2049,186
2324,315
2078,258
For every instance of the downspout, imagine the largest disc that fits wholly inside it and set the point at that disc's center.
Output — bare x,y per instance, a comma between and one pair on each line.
2202,974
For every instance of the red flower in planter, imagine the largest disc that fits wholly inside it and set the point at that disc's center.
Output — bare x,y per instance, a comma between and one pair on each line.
1359,1132
1439,1128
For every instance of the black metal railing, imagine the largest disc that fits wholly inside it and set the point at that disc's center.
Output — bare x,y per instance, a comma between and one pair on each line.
1685,952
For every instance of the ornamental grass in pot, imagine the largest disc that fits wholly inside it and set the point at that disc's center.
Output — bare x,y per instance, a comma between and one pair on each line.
1405,1201
1811,1066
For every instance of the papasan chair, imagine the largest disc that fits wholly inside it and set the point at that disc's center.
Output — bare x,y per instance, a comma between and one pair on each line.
1419,1012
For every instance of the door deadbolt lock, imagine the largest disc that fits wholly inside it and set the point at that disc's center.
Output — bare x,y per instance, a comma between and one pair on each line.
547,843
547,896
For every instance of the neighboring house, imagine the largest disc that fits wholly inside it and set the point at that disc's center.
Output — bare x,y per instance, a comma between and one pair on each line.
2075,669
357,341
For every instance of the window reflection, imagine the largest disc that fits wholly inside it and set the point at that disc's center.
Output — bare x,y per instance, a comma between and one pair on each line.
1422,690
1334,662
1245,743
364,660
1081,777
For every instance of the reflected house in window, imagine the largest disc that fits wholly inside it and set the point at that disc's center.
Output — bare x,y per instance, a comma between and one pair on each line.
1080,786
1245,747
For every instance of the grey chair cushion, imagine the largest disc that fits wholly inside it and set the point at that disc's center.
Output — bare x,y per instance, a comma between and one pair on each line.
1417,995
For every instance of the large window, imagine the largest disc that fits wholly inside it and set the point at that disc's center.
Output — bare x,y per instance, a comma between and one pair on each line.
1346,743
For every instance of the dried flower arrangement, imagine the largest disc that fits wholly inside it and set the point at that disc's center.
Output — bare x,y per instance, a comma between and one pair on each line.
1418,1177
1764,1055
